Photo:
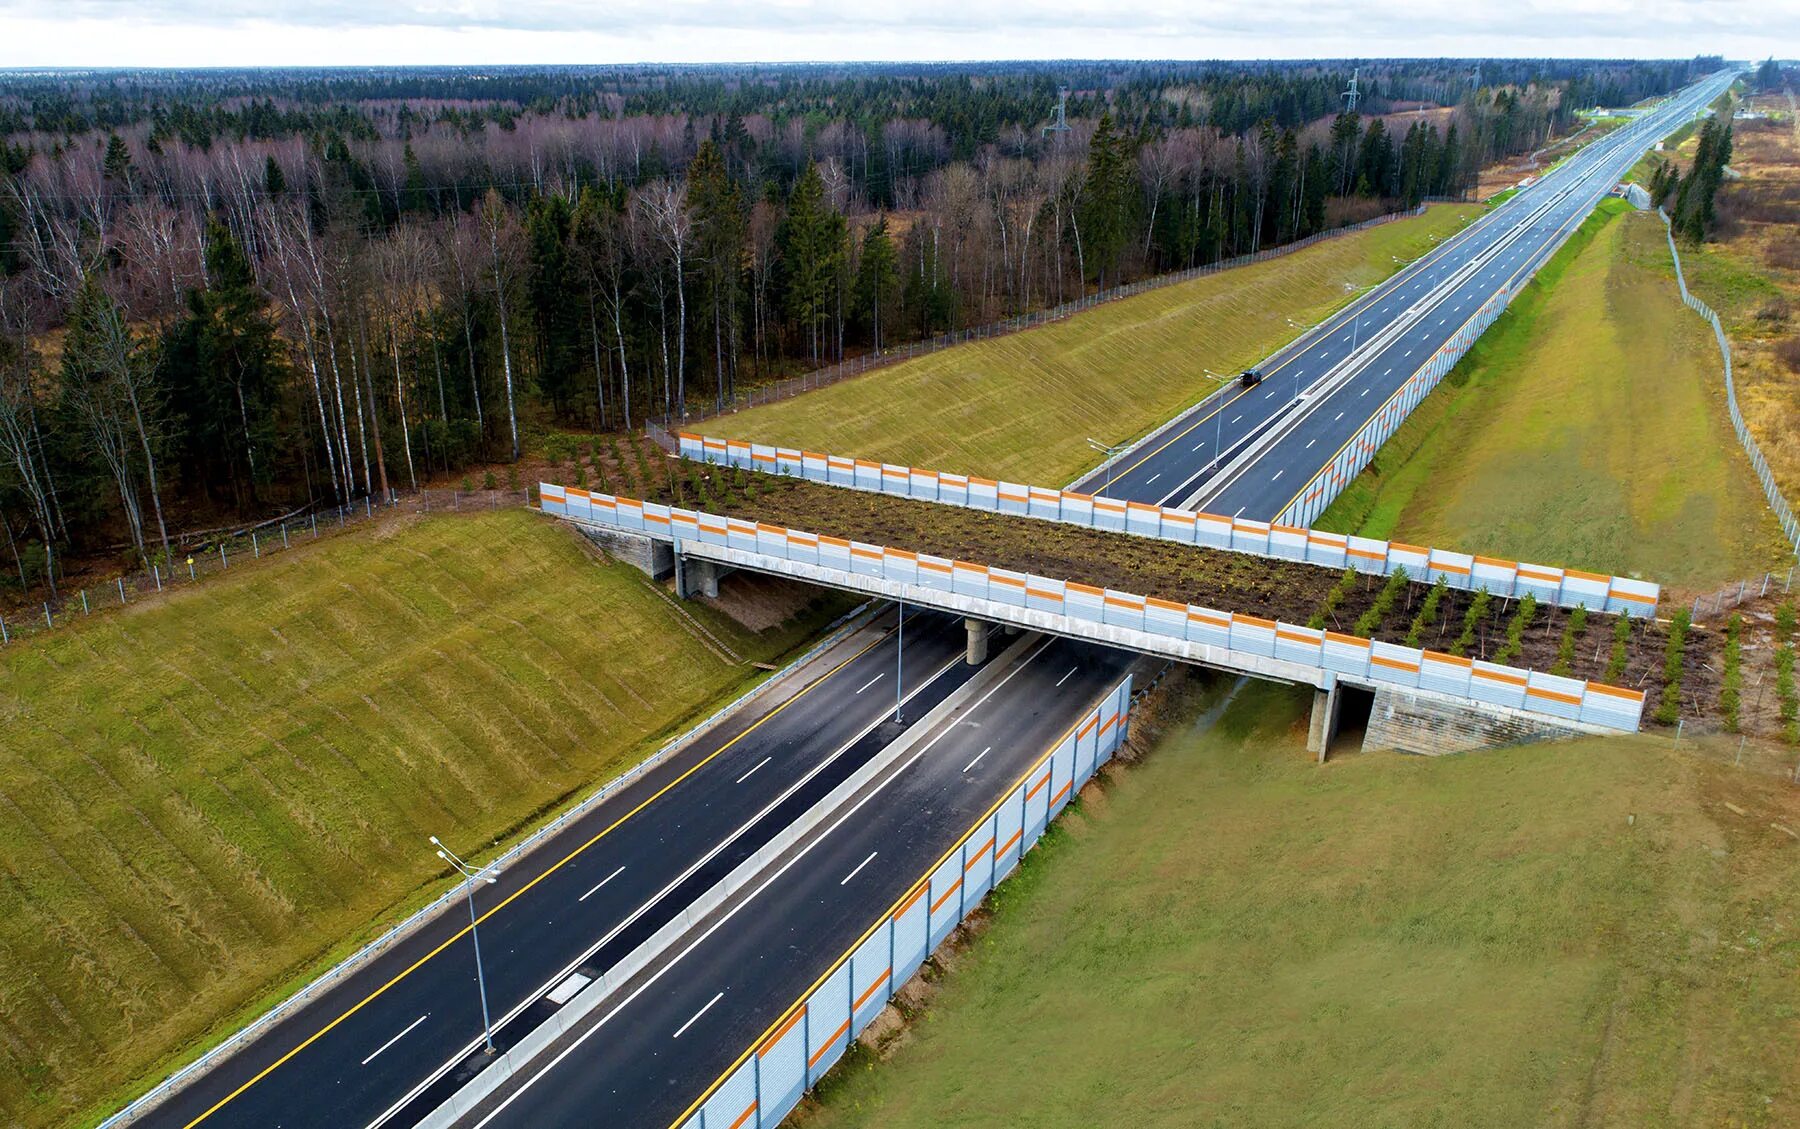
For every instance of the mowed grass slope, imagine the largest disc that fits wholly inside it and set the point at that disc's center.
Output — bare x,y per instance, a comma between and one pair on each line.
203,798
1021,406
1587,428
1577,934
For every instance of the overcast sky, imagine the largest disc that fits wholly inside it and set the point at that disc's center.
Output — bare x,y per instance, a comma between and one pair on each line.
337,32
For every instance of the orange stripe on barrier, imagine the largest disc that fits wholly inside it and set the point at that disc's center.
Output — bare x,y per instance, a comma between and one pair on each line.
868,463
1165,605
748,1113
869,991
1118,602
660,519
827,539
858,551
911,901
1179,517
1084,589
974,481
1142,506
995,578
1042,594
1446,566
1404,548
843,1029
1450,660
1496,562
764,527
1395,664
954,887
1038,787
1348,640
1637,597
756,458
1251,526
1500,676
1208,618
934,566
1537,573
1615,692
1598,577
1093,720
815,455
1252,621
1366,554
1109,505
1295,637
1079,497
979,851
1059,795
1294,529
1552,695
1007,846
792,1023
901,553
687,435
966,566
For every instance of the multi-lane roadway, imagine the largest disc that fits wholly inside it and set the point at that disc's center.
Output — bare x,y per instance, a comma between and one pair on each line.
1250,452
389,1042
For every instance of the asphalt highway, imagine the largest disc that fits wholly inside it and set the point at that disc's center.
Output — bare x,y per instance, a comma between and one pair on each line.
642,1064
385,1045
1319,391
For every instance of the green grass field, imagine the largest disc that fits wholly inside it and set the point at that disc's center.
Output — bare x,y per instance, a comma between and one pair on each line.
1022,406
1577,934
1587,427
206,798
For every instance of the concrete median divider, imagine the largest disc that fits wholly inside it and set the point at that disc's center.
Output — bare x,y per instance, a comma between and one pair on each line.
1565,587
644,958
793,1053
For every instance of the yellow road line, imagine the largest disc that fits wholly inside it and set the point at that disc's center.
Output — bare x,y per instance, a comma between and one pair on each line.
458,935
901,903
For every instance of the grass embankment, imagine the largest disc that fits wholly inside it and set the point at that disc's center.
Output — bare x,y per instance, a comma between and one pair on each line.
207,798
1600,932
1020,406
1587,427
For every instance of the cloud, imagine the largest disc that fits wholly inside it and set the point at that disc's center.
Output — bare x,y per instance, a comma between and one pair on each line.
323,32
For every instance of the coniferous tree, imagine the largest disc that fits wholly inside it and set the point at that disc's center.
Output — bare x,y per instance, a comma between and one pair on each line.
877,287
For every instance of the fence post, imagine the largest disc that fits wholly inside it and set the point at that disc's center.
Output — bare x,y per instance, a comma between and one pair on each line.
4,637
255,549
121,590
84,607
190,564
48,622
223,563
156,573
284,541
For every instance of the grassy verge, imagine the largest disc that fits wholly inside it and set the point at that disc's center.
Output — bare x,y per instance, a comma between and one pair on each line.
1586,427
1565,935
208,798
1021,406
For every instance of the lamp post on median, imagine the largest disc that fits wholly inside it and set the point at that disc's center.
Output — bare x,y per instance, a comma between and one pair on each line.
1111,452
470,873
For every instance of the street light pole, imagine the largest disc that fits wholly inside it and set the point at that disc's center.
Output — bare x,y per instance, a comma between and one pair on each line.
1110,452
470,873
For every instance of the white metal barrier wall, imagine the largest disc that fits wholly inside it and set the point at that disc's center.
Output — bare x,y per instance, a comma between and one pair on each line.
1783,512
795,1051
1565,587
1262,647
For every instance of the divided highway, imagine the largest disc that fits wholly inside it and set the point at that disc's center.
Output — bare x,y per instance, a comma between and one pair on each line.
388,1043
394,1039
1250,452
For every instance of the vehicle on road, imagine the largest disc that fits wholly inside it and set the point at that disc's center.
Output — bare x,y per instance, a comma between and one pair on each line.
1251,378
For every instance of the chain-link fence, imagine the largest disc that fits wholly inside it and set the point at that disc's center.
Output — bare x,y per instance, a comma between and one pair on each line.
1790,527
196,559
1734,595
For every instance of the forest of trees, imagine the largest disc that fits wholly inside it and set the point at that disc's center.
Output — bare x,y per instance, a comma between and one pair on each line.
224,294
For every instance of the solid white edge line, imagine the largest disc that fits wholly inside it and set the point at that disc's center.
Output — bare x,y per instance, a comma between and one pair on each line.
533,997
785,867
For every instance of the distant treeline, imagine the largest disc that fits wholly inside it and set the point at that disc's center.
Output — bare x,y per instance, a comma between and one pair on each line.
225,292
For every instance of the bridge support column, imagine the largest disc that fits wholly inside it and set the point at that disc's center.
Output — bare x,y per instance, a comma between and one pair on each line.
1324,725
978,641
696,577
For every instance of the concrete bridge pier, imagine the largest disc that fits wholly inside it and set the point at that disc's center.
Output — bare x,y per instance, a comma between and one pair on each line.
1324,725
978,641
696,576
